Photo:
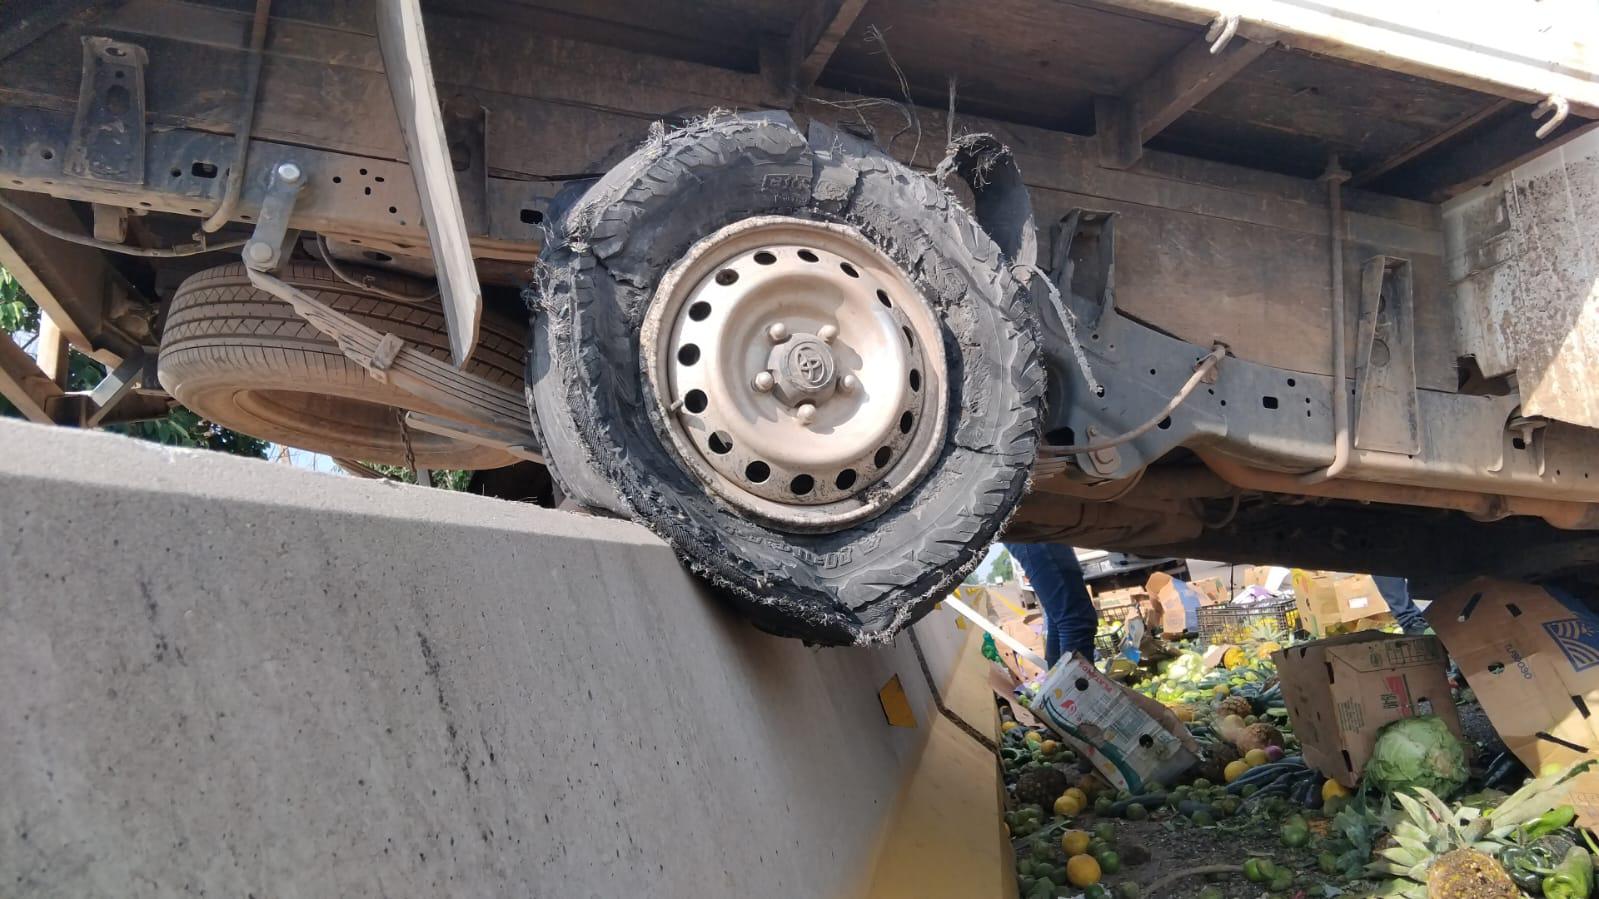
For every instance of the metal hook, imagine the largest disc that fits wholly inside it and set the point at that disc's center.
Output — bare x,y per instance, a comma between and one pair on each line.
1561,108
1221,32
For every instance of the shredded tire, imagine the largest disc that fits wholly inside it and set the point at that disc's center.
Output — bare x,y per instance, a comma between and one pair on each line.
239,357
607,252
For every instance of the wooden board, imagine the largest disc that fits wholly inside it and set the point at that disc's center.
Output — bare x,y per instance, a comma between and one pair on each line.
1029,62
1364,113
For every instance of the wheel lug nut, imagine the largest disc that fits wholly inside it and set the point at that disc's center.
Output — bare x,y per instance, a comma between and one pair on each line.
778,332
849,383
805,413
764,381
827,333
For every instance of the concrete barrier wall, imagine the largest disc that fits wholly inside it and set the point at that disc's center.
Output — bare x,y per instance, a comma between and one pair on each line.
235,678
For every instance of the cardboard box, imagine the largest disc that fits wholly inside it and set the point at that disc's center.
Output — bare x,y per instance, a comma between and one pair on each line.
1117,599
1341,691
1132,741
1212,591
1272,577
1316,601
1329,604
1178,601
1360,603
1214,655
1532,657
1029,632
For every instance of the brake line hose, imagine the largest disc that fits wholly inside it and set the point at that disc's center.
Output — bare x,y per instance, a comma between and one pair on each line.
190,249
1202,369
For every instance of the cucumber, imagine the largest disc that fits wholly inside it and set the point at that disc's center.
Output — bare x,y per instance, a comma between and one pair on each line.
1260,775
1279,789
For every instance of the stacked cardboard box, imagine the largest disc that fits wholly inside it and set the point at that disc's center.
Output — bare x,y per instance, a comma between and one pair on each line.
1329,603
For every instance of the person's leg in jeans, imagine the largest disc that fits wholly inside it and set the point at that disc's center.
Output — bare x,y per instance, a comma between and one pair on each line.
1069,616
1396,593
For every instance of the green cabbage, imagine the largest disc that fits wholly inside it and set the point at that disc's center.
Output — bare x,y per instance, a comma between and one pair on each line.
1417,752
1190,666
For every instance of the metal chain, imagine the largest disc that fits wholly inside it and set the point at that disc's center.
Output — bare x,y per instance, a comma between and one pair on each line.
410,454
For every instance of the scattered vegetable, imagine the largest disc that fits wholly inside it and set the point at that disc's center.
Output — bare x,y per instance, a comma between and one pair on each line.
1418,752
1082,870
1573,879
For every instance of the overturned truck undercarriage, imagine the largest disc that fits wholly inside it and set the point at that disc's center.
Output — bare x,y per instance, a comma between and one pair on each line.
831,315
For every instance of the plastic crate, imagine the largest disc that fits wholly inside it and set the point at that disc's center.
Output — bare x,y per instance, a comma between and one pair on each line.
1106,646
1231,623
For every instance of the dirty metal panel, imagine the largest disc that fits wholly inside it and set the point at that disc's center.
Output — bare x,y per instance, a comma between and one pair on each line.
108,133
1524,260
1385,359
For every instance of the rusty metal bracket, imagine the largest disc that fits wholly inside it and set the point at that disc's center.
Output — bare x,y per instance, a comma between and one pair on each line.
1083,253
116,386
108,131
1524,434
1387,414
264,251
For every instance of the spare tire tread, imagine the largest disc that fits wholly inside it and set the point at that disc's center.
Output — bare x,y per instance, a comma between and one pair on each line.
222,336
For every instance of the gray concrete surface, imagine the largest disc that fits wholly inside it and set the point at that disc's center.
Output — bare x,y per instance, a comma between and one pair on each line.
233,678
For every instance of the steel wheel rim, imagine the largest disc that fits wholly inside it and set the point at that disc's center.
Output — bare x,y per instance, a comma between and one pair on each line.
796,372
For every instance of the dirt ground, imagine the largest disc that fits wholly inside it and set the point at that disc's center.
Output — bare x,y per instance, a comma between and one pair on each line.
1173,843
1176,844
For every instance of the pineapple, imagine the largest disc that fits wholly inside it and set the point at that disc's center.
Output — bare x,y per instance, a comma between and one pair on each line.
1451,850
1213,766
1468,874
1266,630
1041,786
1234,705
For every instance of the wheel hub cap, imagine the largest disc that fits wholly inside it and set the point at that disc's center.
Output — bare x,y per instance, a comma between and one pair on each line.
802,369
796,372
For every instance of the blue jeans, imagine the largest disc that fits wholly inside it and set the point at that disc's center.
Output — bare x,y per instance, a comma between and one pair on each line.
1069,617
1396,593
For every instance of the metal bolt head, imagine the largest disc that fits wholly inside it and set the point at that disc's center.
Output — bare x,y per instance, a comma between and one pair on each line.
764,381
778,332
289,173
849,384
827,333
259,251
805,413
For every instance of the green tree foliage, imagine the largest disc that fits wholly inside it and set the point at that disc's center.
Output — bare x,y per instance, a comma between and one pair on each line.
19,318
17,310
444,479
1003,568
